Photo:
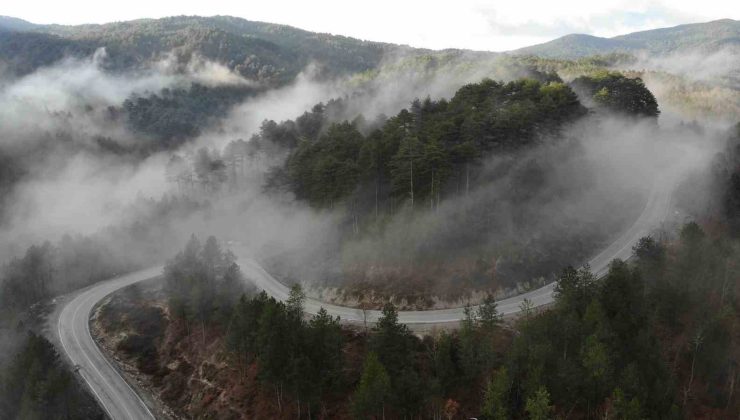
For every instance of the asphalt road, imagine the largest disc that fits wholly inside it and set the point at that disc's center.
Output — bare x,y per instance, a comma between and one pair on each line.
654,213
116,397
120,401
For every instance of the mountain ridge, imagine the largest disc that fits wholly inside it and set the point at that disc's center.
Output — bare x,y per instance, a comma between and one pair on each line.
276,53
257,50
709,36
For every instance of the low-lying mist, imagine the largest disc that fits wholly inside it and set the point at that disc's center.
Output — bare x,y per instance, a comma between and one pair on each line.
52,121
719,67
697,85
582,189
526,216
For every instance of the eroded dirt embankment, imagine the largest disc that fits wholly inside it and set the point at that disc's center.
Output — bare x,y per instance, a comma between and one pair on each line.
186,366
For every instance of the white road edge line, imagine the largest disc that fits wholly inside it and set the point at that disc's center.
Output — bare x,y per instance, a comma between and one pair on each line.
82,374
273,285
97,349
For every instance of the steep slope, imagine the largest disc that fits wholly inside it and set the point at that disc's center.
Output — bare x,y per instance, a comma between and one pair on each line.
709,36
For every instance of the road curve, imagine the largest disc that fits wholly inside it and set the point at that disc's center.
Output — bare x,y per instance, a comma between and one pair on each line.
120,401
653,214
114,394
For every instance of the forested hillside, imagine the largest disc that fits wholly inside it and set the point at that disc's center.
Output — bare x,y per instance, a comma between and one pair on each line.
654,338
399,181
173,117
437,140
505,171
646,341
259,51
24,52
709,36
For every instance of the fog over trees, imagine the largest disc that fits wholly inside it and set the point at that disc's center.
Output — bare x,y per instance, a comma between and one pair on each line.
597,351
377,176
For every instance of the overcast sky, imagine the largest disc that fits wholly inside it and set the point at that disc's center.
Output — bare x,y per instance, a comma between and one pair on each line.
492,25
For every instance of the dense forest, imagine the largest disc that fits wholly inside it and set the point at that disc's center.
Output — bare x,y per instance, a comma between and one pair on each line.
172,117
270,53
426,152
647,341
654,338
611,90
391,174
438,140
433,149
35,384
474,188
165,119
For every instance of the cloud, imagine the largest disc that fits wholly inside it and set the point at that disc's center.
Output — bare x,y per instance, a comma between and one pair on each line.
88,193
50,123
605,23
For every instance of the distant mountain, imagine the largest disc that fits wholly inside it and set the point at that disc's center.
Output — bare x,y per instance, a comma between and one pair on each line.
257,50
706,37
8,23
275,54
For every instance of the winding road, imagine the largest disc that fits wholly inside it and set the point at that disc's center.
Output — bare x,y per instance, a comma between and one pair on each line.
120,400
654,213
114,394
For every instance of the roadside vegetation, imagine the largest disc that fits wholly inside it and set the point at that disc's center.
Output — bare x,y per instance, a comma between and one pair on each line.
454,186
36,384
439,199
653,338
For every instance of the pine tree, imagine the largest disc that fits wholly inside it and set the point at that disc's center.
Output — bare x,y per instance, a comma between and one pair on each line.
538,405
496,396
374,390
488,316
